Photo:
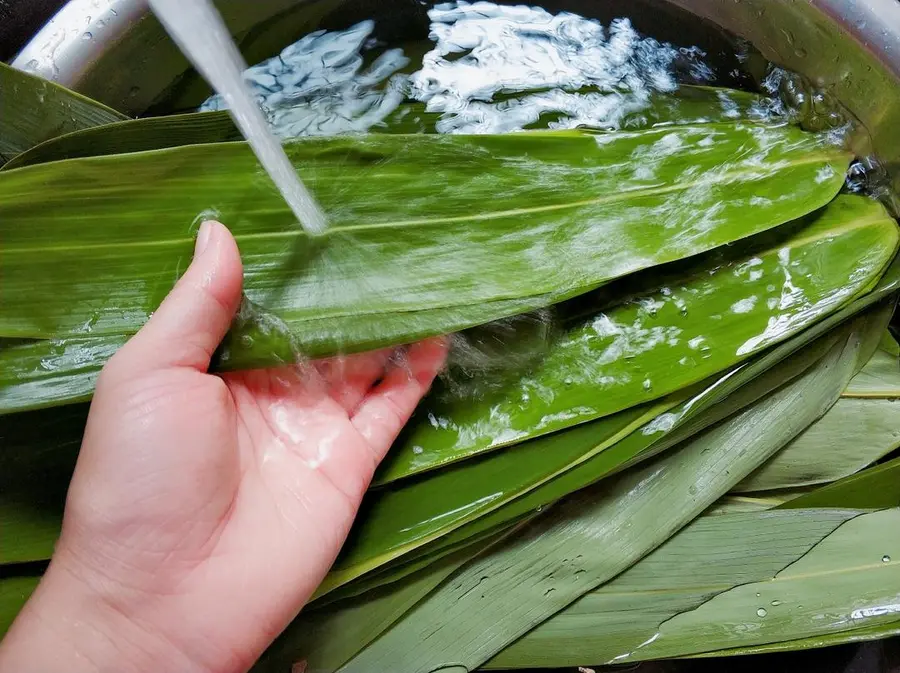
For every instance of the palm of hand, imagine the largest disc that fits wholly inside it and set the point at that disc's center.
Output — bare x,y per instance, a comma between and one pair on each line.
210,507
247,483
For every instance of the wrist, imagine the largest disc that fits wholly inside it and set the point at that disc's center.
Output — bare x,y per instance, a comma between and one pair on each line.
70,624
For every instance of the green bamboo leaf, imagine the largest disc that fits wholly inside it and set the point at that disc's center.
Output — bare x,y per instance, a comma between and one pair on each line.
33,110
727,395
39,373
464,537
855,433
395,521
597,534
861,635
709,557
847,581
401,260
889,344
880,378
696,324
875,487
132,135
628,618
687,105
328,636
751,502
475,496
393,524
670,581
37,456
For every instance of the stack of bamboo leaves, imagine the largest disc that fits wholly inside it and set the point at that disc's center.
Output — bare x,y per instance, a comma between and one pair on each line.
672,376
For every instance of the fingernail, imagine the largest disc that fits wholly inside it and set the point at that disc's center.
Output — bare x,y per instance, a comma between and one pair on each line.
203,237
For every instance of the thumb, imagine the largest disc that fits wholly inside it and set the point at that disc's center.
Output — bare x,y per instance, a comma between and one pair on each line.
192,320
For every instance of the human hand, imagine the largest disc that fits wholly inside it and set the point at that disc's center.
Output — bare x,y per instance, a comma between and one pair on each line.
204,509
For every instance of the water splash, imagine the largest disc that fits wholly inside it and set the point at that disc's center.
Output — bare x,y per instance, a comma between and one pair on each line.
563,67
199,31
320,85
490,69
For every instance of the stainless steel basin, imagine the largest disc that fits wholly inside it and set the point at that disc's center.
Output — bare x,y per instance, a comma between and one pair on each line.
116,51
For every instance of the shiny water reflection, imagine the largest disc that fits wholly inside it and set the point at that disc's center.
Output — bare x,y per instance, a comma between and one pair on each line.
486,68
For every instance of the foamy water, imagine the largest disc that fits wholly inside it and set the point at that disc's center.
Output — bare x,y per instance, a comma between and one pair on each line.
489,69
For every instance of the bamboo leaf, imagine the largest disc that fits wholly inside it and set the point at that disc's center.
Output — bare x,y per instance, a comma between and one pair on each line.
481,494
326,637
393,523
709,557
687,105
104,248
889,344
33,110
597,534
880,378
847,581
742,504
132,135
855,433
864,634
38,373
37,456
694,325
875,487
722,398
414,563
686,572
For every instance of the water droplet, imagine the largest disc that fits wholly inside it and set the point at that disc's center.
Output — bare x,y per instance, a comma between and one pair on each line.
87,36
758,594
418,450
762,612
648,384
885,559
568,380
776,603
